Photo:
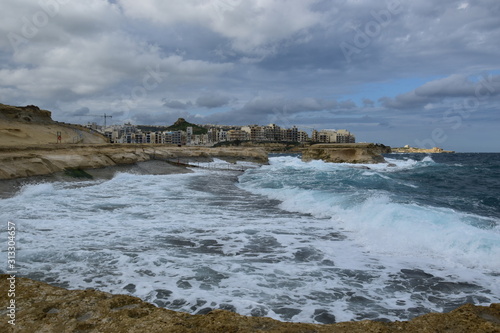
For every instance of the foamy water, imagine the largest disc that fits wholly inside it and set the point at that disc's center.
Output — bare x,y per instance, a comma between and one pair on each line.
291,240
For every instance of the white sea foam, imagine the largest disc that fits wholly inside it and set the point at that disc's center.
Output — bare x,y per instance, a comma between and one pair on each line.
383,225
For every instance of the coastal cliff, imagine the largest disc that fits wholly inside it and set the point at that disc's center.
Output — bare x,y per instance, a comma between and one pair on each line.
346,153
21,125
40,307
27,161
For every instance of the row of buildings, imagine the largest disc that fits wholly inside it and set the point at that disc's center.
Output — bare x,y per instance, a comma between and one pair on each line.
129,133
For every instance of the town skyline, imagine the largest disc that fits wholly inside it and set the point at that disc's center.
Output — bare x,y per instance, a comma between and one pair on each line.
214,133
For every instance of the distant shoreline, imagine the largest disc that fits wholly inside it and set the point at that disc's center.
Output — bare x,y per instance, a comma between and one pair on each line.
413,150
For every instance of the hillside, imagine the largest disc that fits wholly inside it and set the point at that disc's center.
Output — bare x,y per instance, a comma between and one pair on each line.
29,125
181,125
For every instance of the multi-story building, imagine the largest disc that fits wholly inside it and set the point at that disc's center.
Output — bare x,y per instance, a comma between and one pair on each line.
179,137
333,136
303,136
272,132
290,134
344,136
237,135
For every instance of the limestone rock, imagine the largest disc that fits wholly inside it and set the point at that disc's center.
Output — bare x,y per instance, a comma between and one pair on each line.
346,153
26,161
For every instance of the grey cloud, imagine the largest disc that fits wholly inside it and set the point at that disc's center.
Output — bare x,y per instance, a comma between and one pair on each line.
454,86
81,111
274,109
173,104
347,104
368,102
165,118
211,101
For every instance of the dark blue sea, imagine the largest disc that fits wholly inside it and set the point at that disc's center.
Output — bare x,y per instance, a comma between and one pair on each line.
311,242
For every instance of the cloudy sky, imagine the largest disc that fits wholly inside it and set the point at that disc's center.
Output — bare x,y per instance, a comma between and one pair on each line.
423,73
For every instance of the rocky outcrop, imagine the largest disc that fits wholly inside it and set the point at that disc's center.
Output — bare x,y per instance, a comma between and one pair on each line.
30,113
39,307
346,153
19,162
30,125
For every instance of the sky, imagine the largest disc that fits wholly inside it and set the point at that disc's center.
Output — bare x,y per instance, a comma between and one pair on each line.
397,72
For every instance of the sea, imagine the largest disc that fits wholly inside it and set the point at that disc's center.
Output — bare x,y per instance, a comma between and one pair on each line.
307,242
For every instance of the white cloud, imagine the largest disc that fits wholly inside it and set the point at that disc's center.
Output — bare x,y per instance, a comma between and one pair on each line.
250,25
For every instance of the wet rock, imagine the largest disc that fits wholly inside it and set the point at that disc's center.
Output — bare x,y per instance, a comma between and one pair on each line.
177,303
130,288
261,244
287,313
455,287
163,293
184,284
415,274
259,312
160,303
208,275
360,300
206,286
199,303
178,242
306,254
204,311
324,317
227,307
146,272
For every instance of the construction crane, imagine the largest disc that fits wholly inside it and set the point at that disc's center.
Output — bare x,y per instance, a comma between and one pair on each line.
105,116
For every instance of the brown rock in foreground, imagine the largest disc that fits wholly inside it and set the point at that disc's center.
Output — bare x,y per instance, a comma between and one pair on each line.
346,152
44,308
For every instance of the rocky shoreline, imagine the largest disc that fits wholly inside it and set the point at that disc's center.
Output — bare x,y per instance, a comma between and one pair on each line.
28,161
39,307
